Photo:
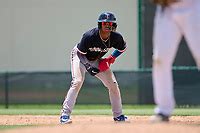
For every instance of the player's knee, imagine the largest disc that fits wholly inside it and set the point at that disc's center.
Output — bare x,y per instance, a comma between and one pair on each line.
157,60
108,83
161,61
76,83
112,85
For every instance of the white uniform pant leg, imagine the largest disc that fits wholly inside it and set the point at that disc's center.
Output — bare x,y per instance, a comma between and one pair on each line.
78,76
191,29
166,38
109,80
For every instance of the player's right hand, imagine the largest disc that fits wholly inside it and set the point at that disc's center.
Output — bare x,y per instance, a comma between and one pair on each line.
92,70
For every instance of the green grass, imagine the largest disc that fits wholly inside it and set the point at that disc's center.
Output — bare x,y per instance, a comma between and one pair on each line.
91,110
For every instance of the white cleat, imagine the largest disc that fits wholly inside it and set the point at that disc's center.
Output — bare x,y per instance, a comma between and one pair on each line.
159,118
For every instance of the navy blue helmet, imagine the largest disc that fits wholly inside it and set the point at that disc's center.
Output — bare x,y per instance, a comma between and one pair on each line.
107,17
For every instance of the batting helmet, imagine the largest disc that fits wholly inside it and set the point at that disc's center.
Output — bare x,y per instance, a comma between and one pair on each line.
107,17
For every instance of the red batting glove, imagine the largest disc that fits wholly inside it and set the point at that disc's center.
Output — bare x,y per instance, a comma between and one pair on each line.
103,65
111,59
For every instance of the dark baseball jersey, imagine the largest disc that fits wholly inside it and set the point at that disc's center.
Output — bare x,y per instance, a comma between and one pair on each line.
94,47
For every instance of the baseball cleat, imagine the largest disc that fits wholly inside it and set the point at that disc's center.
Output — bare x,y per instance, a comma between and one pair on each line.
121,118
159,118
65,119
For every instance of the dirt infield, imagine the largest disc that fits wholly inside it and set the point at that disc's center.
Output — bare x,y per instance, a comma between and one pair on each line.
99,124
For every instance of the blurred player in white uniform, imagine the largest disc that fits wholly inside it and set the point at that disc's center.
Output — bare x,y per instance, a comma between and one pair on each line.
171,23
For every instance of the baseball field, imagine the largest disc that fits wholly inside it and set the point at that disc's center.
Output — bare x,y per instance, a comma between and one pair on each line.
95,119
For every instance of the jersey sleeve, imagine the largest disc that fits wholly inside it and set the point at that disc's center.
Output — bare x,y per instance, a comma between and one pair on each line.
82,46
120,44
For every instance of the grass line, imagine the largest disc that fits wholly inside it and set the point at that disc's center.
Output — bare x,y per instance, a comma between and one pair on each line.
178,112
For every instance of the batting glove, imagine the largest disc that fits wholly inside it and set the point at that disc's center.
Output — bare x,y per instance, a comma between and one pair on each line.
103,65
92,70
111,59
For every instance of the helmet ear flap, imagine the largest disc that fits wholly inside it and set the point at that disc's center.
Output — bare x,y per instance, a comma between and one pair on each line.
99,25
114,25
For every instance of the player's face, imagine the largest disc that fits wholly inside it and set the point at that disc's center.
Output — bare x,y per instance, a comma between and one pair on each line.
107,26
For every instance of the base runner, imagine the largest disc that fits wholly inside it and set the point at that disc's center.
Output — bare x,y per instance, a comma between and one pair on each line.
87,56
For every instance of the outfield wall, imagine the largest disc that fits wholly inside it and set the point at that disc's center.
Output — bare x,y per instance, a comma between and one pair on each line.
38,35
136,88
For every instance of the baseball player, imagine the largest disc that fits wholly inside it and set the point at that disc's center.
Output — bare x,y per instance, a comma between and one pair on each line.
173,19
87,55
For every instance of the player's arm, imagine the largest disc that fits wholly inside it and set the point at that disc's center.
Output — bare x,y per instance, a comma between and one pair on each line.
82,57
116,53
91,69
104,64
82,49
120,47
81,52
